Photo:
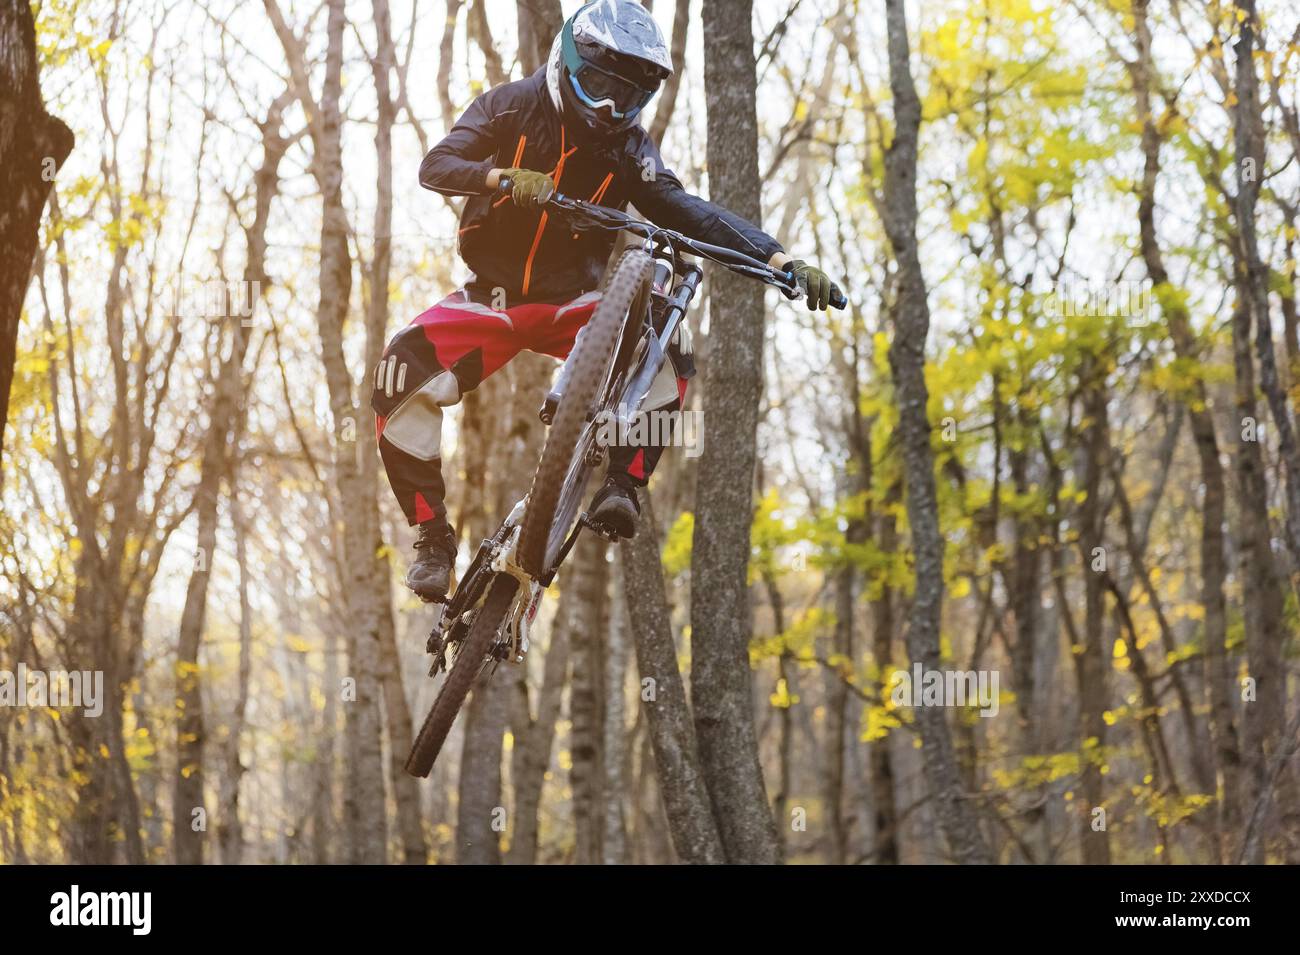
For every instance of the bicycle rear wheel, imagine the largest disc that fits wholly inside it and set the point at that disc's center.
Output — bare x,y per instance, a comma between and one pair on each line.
470,659
565,468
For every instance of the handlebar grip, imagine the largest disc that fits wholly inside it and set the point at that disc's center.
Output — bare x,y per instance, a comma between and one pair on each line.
838,301
505,185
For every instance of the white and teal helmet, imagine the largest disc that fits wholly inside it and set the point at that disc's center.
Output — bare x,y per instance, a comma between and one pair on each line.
607,62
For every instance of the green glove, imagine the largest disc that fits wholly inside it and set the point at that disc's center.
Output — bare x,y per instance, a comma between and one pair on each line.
816,284
529,188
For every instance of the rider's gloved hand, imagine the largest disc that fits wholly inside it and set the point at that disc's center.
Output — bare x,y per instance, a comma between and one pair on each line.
816,284
529,188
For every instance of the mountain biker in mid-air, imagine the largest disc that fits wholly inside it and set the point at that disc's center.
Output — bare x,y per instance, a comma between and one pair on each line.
572,124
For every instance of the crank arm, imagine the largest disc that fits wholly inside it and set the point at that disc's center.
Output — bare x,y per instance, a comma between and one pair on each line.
599,530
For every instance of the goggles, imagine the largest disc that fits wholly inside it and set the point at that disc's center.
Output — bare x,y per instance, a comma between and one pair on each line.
598,87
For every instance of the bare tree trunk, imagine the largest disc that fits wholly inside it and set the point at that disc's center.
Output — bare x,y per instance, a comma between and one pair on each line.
1248,138
323,814
481,30
1262,603
586,696
653,843
364,802
1213,558
187,785
532,753
613,843
721,622
838,737
33,145
539,22
1025,581
397,714
837,700
1290,317
1265,717
1091,660
446,60
230,831
1252,843
668,95
406,792
663,698
480,818
911,312
883,798
785,675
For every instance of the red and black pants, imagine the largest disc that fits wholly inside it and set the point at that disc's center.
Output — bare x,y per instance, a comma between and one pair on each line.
449,350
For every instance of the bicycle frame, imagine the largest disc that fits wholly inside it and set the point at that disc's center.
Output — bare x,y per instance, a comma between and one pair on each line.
496,555
674,286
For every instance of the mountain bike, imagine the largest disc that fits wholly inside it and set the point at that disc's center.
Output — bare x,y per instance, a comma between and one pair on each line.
604,381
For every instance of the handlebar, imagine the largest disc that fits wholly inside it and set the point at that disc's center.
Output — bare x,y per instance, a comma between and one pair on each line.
604,217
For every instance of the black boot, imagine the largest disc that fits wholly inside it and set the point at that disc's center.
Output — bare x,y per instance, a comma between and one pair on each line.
615,505
435,553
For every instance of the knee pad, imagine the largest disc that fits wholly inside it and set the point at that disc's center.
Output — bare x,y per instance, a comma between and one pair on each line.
410,390
415,425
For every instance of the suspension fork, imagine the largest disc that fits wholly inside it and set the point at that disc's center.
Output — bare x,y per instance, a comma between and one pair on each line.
494,555
655,352
528,595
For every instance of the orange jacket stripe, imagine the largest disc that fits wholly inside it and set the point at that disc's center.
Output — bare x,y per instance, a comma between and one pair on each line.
519,155
541,224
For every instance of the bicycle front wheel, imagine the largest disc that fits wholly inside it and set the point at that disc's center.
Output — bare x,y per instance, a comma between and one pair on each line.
565,469
471,657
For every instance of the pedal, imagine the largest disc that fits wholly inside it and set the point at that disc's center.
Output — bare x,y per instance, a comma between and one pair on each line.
601,530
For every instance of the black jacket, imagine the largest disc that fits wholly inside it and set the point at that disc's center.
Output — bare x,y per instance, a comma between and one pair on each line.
539,260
